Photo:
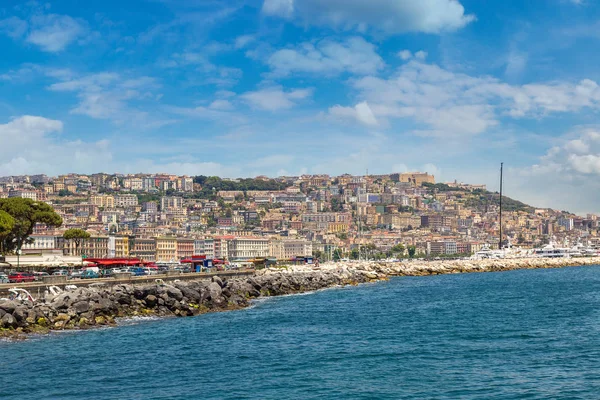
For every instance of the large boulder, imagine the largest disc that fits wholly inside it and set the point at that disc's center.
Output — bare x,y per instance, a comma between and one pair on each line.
8,321
174,293
151,301
81,307
9,306
218,280
20,313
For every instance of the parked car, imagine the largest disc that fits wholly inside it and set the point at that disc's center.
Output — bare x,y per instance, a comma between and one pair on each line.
137,271
151,271
89,274
61,272
4,278
163,269
75,274
19,277
39,276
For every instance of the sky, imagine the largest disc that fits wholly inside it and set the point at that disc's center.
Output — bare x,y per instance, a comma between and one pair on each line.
240,88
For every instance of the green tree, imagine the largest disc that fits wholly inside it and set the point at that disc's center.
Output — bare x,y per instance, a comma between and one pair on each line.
26,213
337,254
399,248
7,223
77,236
411,251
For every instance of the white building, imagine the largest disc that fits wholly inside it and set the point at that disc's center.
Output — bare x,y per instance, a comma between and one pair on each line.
245,248
290,248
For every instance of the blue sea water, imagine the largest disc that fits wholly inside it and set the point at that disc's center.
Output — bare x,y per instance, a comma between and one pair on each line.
531,334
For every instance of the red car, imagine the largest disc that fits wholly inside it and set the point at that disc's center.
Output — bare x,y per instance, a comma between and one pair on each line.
19,277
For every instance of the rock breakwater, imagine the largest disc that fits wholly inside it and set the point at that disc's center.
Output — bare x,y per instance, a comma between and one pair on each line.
88,307
99,305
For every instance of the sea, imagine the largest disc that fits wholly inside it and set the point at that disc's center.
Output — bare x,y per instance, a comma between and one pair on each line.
529,334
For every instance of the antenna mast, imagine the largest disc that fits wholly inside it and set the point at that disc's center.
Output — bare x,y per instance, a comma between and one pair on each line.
500,243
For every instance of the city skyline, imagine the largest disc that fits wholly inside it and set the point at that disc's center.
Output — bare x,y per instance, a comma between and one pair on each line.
289,87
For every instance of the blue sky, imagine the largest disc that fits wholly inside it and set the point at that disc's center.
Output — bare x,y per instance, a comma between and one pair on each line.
284,87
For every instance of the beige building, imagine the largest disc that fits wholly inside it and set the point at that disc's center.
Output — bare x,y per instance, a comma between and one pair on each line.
103,200
290,248
144,249
166,249
94,247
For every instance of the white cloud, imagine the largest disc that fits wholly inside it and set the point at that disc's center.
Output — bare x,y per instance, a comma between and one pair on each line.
13,27
421,55
445,103
275,98
405,55
390,16
221,105
112,96
327,57
205,71
53,33
361,113
243,41
281,8
27,142
515,64
567,176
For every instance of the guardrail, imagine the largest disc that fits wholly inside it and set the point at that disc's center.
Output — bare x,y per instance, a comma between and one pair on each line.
37,288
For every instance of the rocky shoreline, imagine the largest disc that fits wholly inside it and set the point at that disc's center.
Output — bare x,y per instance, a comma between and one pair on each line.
89,307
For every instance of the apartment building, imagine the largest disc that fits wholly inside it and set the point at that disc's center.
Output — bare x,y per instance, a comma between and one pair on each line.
126,200
95,247
245,248
103,200
290,248
166,249
168,202
185,248
144,249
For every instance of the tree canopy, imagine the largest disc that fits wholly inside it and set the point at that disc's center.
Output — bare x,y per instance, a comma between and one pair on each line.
7,223
25,213
76,235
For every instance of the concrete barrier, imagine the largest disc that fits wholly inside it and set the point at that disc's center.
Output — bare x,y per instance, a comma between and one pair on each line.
54,279
123,275
173,273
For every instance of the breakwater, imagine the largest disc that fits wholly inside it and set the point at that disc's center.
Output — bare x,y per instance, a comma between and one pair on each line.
88,307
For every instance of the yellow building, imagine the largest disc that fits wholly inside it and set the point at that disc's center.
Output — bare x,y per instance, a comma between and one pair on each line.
166,249
121,246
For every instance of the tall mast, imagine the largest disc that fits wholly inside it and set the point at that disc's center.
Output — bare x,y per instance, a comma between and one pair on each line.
500,243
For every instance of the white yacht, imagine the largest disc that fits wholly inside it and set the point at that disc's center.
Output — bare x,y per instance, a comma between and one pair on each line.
552,251
485,252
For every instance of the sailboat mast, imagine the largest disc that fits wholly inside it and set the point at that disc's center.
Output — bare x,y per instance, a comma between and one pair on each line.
500,242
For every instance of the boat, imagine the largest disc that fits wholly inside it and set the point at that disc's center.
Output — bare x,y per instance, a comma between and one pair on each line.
552,251
487,253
